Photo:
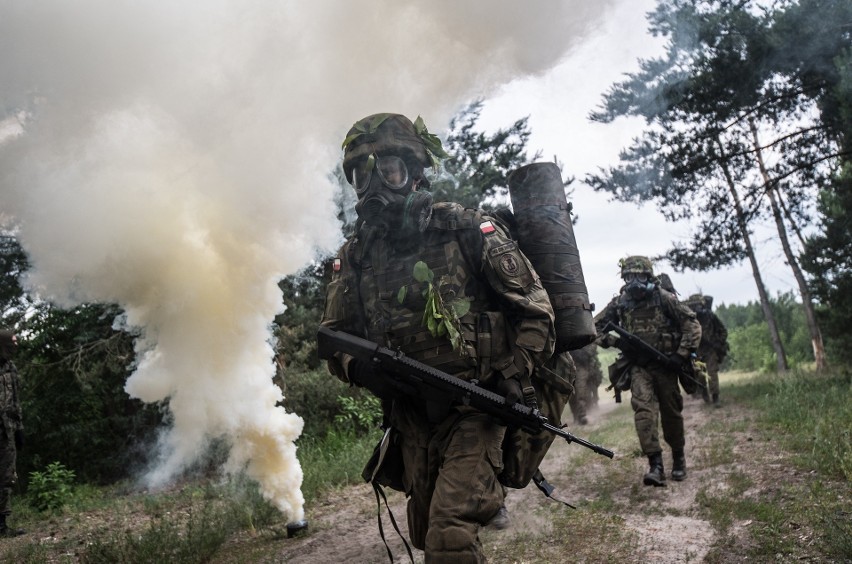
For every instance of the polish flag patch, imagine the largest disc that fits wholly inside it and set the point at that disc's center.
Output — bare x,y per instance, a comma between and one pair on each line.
336,265
487,227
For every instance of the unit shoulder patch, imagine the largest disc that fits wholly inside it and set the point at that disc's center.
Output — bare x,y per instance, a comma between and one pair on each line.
509,264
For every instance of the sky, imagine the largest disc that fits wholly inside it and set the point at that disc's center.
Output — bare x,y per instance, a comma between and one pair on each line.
558,103
174,158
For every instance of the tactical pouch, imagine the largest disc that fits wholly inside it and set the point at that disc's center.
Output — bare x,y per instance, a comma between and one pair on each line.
619,376
385,466
691,379
522,451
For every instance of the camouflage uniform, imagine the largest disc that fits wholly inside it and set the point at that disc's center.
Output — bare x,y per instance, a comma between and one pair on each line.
451,454
589,374
662,321
714,341
11,420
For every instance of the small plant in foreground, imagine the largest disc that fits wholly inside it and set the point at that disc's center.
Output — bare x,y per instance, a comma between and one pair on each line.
52,489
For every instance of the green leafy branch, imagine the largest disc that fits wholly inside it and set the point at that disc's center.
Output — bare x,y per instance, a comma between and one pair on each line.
441,319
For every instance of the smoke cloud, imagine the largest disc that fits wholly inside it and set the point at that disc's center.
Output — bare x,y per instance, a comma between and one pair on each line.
174,157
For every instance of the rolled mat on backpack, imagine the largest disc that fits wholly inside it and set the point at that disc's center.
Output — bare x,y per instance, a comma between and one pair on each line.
542,217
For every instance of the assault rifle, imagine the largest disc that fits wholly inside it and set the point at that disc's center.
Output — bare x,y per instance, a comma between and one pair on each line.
395,373
642,353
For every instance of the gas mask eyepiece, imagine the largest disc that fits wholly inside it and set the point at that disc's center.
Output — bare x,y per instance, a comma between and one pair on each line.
638,284
390,170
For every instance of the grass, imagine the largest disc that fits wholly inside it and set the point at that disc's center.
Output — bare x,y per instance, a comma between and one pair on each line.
806,419
335,461
188,525
780,489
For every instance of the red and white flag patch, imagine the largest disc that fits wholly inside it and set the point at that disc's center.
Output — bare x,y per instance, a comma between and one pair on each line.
336,265
487,227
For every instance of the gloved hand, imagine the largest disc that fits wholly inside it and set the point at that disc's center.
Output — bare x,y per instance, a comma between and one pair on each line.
605,340
677,360
19,439
358,371
511,388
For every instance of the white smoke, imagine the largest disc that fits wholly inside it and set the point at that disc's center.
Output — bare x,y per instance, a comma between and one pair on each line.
174,158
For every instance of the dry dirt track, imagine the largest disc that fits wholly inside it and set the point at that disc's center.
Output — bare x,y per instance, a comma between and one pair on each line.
344,527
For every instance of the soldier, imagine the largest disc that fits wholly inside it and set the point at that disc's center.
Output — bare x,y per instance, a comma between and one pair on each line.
589,375
658,318
589,378
714,343
12,433
451,454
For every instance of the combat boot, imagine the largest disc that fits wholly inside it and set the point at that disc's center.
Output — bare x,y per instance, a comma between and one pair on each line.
678,466
656,476
500,520
7,531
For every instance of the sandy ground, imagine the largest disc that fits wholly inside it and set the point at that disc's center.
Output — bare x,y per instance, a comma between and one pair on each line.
345,529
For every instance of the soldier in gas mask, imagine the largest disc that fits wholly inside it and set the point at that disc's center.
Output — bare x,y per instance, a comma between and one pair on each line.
450,456
658,318
12,432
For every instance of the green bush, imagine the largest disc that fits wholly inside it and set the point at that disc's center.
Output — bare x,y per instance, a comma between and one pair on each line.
313,395
361,413
52,489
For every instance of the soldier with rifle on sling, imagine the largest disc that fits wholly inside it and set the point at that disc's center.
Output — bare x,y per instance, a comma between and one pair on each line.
658,336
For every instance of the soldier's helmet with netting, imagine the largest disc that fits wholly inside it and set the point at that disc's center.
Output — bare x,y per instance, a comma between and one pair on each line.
636,265
390,133
696,302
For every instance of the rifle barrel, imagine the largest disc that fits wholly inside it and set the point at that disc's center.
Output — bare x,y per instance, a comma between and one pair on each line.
572,439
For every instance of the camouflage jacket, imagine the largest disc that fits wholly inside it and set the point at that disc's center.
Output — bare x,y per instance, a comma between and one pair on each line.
660,320
587,362
10,404
714,335
510,323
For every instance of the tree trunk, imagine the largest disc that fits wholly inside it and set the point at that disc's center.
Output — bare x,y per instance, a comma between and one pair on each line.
780,355
807,301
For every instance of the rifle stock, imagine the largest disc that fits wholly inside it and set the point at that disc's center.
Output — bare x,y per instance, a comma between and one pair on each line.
398,374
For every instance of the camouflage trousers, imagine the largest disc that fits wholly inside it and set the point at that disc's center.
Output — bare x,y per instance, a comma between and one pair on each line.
450,478
580,398
712,362
8,476
656,399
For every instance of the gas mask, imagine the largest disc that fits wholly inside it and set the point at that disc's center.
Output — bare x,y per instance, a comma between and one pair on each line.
385,196
638,285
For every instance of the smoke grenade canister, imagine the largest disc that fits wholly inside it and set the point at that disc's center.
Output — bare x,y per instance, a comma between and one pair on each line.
545,234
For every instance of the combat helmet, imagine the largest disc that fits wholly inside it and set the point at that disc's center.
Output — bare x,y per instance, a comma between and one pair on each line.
697,303
379,133
636,264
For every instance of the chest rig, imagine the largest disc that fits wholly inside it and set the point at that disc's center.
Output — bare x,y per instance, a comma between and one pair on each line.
394,302
647,320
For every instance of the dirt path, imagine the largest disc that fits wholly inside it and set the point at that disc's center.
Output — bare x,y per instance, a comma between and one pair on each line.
664,521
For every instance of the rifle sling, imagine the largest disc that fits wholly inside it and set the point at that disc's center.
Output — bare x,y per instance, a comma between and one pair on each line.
546,488
380,495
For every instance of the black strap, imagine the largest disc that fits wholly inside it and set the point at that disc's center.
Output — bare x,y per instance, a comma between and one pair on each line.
380,495
546,488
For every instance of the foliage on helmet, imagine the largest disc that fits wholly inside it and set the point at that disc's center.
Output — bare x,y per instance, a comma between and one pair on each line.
695,300
636,264
390,132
